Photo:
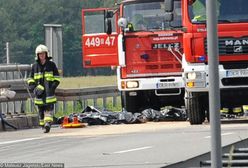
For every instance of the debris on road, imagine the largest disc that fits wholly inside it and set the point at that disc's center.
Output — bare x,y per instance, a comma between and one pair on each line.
94,116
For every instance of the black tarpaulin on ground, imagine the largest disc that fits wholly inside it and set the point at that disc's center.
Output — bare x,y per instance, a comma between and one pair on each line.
168,114
94,116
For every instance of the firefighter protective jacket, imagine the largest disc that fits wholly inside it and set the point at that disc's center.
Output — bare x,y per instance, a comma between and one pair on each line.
46,75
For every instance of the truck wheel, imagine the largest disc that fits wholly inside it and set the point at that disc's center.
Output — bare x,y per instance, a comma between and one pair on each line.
194,108
129,103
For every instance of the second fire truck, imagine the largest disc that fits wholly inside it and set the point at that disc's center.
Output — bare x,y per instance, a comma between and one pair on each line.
233,55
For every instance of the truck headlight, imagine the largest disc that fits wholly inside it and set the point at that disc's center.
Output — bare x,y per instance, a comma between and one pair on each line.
195,79
195,75
191,75
132,84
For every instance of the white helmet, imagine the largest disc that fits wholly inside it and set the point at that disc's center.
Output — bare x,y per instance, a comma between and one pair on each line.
41,49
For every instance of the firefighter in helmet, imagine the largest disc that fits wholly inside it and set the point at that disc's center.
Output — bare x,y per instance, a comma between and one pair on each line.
199,9
43,81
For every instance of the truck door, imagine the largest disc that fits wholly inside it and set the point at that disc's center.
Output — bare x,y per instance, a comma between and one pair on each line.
99,45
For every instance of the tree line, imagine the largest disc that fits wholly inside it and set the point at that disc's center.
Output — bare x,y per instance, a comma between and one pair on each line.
21,24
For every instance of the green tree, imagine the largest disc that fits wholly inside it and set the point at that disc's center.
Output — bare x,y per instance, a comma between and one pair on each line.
22,25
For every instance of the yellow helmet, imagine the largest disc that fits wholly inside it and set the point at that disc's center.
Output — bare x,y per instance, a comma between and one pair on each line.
41,49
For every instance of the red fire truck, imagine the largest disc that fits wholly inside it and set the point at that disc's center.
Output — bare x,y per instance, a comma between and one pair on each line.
144,42
233,55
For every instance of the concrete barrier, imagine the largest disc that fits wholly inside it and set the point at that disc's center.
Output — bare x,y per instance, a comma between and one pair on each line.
20,122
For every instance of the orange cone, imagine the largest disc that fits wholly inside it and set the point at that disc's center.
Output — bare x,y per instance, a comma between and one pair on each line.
75,123
66,123
66,120
75,120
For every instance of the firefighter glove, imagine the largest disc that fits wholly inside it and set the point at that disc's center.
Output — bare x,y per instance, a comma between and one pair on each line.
39,90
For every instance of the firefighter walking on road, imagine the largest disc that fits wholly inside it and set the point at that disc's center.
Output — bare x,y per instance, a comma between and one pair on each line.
43,81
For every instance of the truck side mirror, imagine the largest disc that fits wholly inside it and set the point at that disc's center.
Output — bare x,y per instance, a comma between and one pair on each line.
168,5
108,26
108,16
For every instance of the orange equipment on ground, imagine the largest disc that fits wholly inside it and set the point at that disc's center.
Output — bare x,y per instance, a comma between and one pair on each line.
74,124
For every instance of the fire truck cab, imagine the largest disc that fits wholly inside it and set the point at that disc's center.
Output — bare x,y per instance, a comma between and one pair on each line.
233,56
144,40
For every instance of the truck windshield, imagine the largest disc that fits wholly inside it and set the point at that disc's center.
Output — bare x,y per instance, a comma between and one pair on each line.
150,16
228,11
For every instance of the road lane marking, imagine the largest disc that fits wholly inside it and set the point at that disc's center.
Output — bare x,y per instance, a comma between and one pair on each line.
19,140
134,149
224,134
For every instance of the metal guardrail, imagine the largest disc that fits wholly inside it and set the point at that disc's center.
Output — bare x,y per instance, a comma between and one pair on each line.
14,76
14,67
11,77
68,99
78,99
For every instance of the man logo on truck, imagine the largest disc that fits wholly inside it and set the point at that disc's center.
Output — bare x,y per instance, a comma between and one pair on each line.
237,45
236,42
237,49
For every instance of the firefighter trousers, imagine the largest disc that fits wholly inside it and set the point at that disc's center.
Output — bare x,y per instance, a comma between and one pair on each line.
46,113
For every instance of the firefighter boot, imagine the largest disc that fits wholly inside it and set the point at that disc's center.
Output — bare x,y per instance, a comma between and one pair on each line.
47,127
48,121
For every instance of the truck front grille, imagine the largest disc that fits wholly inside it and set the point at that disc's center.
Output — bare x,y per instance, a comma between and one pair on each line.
230,46
235,65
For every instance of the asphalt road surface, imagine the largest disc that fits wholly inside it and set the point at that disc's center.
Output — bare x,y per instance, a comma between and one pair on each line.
149,145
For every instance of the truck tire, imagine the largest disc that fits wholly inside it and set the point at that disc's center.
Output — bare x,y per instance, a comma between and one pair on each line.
194,108
129,103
